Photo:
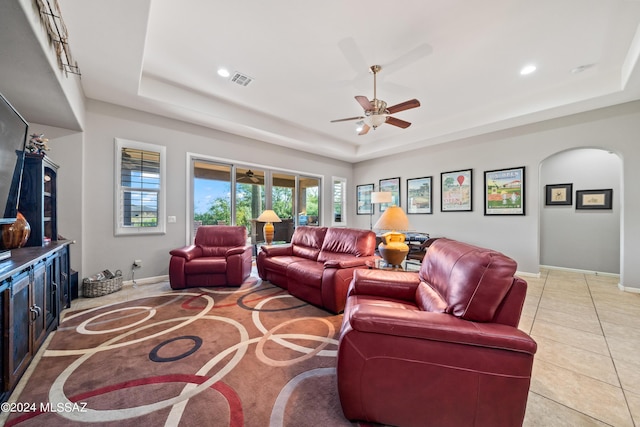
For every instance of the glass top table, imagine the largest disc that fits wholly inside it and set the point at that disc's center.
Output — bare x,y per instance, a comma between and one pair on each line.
380,264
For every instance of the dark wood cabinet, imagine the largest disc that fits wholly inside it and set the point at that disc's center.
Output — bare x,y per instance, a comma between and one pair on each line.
38,196
34,288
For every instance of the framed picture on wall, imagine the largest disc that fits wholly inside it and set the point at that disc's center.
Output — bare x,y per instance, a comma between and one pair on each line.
391,185
594,199
419,195
363,195
456,191
504,191
559,194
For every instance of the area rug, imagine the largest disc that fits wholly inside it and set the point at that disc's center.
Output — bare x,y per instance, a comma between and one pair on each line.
248,356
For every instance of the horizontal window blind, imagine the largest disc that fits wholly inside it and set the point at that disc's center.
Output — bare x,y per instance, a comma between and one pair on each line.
140,184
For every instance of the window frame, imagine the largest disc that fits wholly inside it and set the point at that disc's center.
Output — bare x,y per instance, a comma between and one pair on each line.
119,228
339,200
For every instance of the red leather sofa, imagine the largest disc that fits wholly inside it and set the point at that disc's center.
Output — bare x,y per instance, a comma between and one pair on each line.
219,256
317,266
440,347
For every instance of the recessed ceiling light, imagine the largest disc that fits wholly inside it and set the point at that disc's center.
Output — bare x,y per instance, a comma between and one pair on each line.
527,69
223,72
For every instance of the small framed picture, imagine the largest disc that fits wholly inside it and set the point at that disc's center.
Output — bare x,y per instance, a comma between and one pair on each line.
391,185
594,199
504,191
559,194
419,195
363,194
455,191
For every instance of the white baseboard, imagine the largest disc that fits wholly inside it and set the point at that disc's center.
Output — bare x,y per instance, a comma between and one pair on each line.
577,270
146,280
527,274
628,289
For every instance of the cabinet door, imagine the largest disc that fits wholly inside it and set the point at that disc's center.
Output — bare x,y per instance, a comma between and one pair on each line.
4,309
51,289
38,308
19,343
64,282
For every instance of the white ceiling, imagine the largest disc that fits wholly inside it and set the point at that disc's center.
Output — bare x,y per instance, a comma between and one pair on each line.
459,58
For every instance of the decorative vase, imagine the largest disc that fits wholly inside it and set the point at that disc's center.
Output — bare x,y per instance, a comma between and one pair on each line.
16,235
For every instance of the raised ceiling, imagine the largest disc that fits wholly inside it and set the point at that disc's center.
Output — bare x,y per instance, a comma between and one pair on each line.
307,60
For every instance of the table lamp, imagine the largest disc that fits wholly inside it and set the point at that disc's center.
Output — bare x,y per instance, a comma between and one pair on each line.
378,197
268,217
393,249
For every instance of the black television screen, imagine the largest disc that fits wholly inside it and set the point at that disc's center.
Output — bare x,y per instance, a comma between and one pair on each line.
13,137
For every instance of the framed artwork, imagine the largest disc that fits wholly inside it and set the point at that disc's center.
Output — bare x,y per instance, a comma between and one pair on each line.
455,191
419,195
391,185
504,191
559,194
594,199
363,195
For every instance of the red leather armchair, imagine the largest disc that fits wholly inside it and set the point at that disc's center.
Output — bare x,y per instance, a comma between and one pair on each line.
439,347
219,256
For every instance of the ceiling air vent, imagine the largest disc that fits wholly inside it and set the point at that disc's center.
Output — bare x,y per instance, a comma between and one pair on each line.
241,79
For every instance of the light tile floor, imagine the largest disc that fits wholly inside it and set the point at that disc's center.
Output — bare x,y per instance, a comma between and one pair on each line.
587,368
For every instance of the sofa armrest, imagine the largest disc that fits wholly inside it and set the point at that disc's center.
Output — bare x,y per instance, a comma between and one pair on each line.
386,284
439,327
350,263
237,250
279,250
187,252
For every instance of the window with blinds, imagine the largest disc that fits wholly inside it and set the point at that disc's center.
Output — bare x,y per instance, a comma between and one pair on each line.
140,187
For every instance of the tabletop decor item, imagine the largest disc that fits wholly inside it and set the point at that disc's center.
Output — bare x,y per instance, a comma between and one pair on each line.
16,235
37,144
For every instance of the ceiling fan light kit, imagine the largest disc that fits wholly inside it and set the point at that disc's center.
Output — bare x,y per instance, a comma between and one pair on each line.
376,112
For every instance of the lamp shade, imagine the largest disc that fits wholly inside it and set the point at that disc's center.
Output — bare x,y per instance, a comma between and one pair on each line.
269,216
381,197
393,218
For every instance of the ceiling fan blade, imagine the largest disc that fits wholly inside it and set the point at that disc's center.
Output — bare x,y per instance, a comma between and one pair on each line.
410,57
364,102
346,120
365,129
353,55
412,103
397,122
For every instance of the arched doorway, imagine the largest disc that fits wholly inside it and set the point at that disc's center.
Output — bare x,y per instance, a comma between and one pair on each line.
581,239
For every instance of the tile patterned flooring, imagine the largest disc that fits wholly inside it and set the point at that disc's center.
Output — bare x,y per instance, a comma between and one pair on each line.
587,368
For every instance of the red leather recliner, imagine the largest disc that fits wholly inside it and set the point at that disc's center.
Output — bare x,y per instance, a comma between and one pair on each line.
437,348
219,256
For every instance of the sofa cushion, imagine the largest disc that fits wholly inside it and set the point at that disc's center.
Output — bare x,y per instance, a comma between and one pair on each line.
305,272
347,241
472,281
279,264
215,240
307,241
206,265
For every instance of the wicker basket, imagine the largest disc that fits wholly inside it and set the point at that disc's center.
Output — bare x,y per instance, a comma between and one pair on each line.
92,287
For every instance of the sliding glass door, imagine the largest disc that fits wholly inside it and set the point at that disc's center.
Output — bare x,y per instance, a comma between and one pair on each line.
250,198
295,198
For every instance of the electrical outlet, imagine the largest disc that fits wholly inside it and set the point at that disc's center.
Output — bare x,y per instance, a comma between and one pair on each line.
137,263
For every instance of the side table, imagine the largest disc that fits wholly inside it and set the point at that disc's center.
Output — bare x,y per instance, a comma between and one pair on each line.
380,264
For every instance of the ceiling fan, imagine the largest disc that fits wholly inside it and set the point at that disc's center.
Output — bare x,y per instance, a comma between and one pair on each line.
249,177
376,111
